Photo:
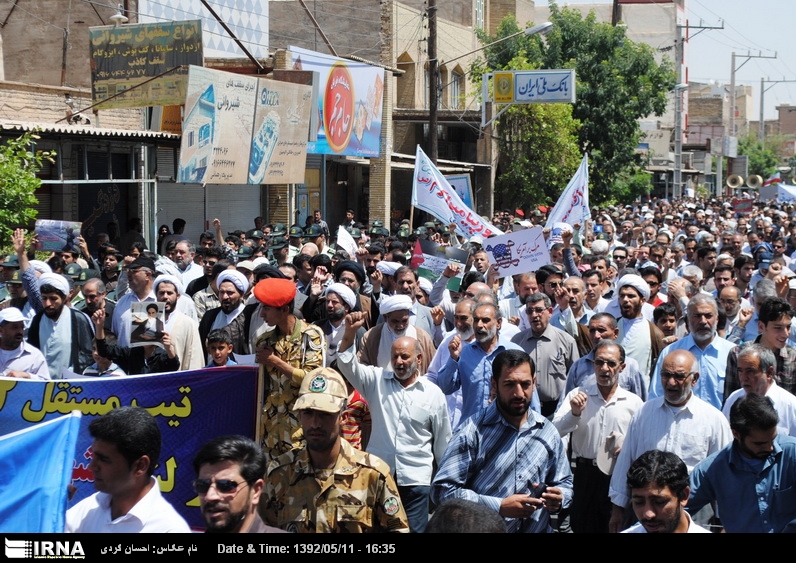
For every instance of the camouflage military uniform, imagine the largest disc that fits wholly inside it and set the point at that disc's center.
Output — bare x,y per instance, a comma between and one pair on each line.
357,496
304,350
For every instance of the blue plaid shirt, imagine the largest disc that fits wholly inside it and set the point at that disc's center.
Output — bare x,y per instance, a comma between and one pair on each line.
488,460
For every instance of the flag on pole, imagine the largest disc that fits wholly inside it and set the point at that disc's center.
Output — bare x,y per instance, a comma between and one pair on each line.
36,464
432,193
573,205
773,179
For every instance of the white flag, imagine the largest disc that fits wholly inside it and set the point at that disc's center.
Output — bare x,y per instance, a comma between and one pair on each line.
346,242
573,205
432,193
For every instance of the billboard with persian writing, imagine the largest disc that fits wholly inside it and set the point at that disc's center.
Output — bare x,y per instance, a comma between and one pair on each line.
190,408
124,58
349,103
242,129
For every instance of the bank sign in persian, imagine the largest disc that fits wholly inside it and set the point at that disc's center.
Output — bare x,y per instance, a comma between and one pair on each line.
349,104
124,57
190,408
432,193
534,86
241,129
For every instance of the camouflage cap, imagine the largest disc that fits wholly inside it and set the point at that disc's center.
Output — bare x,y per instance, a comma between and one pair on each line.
322,389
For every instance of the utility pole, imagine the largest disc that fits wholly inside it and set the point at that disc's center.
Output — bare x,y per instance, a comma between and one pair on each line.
761,130
733,99
680,89
433,85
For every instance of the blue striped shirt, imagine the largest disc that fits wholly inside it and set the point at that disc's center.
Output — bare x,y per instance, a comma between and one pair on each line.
488,460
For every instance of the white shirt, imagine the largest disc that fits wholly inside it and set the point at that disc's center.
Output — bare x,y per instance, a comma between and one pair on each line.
411,428
55,339
693,432
692,528
635,337
192,272
122,320
599,419
784,404
151,514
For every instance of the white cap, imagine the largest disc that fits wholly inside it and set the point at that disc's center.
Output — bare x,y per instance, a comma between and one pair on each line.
11,315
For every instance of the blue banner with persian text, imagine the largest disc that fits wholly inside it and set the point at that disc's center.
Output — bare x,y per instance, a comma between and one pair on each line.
190,407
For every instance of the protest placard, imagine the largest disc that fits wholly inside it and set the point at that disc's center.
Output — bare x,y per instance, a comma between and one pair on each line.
518,252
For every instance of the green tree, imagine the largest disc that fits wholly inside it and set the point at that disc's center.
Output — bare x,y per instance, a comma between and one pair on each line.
19,163
618,82
761,160
538,153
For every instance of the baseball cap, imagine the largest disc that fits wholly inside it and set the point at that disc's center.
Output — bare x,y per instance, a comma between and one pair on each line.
142,262
85,275
278,244
322,389
73,270
314,231
11,262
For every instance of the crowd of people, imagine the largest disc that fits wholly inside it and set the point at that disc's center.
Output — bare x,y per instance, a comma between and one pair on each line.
642,381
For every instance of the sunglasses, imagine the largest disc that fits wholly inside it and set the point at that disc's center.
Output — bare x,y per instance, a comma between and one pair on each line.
610,363
680,377
223,486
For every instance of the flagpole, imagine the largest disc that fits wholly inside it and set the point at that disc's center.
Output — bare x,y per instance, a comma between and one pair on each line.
411,218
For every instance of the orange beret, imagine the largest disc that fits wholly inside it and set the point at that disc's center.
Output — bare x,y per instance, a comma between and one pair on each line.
275,292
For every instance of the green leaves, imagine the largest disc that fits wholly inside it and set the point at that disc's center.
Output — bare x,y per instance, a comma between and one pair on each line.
618,83
762,160
19,163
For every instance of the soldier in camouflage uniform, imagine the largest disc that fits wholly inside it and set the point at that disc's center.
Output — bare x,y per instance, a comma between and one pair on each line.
286,353
328,486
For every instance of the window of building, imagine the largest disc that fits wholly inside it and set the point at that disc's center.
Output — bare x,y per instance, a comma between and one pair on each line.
479,14
457,90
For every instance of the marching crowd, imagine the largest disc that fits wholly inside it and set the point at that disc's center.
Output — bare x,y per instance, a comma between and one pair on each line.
642,381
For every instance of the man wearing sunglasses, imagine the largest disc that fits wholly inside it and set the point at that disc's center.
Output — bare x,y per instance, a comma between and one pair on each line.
678,422
229,482
597,414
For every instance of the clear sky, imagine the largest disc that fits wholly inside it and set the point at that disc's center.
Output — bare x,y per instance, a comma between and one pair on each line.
757,27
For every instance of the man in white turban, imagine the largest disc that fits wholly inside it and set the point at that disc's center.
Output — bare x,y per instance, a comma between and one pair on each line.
641,339
64,335
377,342
232,286
339,300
